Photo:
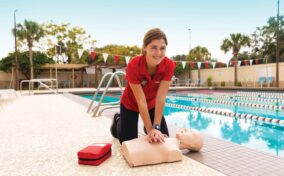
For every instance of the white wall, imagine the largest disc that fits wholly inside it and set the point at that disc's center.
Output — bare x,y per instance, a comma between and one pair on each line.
245,73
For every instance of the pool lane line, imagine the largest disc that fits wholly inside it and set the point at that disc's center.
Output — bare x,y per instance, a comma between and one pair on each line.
228,114
264,106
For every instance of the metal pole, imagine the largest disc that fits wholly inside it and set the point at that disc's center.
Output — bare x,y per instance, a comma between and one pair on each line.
16,58
277,47
189,47
189,42
56,59
266,71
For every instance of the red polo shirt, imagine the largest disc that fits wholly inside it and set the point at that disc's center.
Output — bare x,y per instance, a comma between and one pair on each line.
136,73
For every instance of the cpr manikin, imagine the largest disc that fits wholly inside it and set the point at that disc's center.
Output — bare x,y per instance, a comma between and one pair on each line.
139,151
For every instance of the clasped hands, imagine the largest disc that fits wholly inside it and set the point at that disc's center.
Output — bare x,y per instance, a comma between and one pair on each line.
155,136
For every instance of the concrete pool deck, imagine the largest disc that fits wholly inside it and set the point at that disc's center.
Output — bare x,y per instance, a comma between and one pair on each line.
41,135
228,158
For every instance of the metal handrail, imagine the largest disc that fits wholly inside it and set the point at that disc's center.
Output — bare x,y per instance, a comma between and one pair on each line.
112,76
97,91
41,82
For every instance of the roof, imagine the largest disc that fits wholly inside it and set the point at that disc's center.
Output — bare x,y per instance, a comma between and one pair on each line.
65,66
80,66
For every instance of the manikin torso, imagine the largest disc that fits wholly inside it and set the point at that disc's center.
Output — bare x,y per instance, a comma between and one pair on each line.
139,151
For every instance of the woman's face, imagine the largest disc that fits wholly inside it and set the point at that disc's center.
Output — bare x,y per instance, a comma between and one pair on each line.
155,52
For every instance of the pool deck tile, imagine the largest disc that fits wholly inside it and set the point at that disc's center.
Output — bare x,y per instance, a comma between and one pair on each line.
233,159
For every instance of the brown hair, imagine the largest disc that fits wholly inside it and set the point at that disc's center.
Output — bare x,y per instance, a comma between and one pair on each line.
153,34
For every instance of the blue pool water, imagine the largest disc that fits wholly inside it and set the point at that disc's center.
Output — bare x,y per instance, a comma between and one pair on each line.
107,98
262,136
236,109
266,137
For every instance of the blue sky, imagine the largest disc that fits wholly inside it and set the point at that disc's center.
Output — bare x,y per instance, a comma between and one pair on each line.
126,21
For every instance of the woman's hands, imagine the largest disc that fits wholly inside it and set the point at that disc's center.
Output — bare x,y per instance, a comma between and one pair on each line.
155,136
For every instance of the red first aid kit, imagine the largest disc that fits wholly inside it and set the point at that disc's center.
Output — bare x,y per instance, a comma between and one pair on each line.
94,154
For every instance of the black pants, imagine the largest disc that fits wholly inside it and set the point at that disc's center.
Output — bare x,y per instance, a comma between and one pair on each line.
127,125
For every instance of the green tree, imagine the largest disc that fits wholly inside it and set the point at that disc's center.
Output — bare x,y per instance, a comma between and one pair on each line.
199,53
39,60
179,70
179,57
235,43
6,63
266,39
113,49
255,46
30,31
67,40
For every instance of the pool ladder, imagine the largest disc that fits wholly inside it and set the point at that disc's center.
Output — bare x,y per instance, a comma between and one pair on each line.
116,104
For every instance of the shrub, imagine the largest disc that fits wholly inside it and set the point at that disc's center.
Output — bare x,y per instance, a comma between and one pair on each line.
239,84
209,81
223,83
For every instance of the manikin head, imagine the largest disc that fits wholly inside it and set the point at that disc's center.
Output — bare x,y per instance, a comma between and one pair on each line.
189,140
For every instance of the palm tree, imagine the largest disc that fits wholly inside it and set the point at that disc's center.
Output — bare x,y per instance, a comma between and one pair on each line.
29,31
199,53
235,43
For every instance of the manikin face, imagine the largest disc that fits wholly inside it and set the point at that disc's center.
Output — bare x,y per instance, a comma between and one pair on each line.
189,140
155,52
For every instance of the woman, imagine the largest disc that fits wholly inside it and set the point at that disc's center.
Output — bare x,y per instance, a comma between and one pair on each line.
148,80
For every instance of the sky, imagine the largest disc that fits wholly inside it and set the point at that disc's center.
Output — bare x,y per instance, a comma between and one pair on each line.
124,22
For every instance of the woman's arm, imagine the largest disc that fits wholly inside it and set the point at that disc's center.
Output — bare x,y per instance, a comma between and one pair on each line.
161,100
153,134
142,105
159,107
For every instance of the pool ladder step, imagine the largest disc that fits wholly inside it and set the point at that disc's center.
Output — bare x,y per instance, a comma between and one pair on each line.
95,109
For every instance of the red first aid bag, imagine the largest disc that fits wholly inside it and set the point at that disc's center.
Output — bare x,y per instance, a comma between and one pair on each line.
94,154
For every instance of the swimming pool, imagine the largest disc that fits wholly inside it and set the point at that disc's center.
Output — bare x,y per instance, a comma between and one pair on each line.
249,120
107,99
205,113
